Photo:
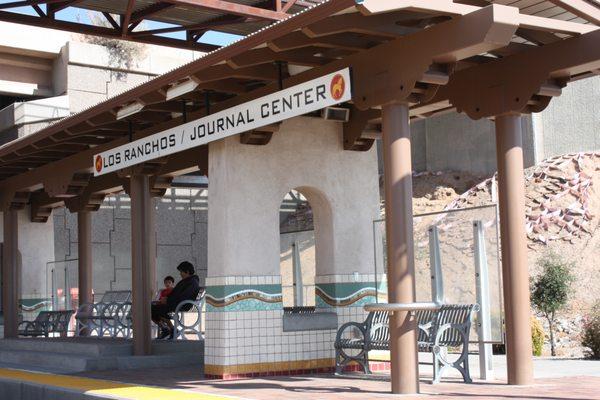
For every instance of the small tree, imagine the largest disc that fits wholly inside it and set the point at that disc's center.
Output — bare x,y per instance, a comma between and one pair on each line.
550,289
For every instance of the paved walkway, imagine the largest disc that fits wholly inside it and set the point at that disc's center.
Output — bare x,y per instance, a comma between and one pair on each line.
555,379
580,380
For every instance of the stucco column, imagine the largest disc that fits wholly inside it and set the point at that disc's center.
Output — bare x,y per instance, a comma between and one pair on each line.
515,272
399,234
84,259
84,245
143,262
10,274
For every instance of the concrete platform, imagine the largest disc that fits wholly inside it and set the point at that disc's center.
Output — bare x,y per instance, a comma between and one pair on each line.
72,355
186,383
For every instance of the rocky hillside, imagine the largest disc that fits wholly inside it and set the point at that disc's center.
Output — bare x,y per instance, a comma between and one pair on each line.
562,209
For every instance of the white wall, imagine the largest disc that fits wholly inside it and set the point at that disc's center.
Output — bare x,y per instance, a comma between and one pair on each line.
36,244
571,123
248,183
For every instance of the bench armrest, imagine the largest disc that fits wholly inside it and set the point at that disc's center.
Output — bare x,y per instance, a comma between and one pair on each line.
464,330
362,327
26,327
184,303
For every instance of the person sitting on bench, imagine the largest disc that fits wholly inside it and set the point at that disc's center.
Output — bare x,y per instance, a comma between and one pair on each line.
186,289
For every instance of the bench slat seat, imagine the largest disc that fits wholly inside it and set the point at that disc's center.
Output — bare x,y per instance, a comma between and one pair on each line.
45,323
437,330
104,316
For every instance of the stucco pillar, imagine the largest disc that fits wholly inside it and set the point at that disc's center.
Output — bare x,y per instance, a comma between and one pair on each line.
84,234
515,273
399,233
10,274
84,259
143,262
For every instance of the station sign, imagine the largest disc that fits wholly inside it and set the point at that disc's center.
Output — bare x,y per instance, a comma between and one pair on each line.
325,91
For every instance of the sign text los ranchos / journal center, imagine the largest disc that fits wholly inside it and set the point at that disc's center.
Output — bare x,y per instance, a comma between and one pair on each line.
300,99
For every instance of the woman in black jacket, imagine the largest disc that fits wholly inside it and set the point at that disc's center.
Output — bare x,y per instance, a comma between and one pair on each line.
186,289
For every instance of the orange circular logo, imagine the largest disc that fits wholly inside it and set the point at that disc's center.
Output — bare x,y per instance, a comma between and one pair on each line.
337,87
98,163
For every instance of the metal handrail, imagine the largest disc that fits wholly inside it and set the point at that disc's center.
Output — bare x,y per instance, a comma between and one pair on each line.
391,307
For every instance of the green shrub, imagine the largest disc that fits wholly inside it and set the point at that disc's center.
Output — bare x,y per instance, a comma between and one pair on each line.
591,332
550,289
537,336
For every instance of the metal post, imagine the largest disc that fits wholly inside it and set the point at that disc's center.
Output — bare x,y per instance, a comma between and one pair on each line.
484,332
435,266
297,267
515,273
10,274
143,262
399,228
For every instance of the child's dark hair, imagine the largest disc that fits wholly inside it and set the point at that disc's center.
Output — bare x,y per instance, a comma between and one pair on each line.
169,278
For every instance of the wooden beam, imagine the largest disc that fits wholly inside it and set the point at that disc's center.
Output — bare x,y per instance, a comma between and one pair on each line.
25,3
509,84
111,20
581,8
126,18
347,41
449,7
53,8
223,71
381,24
227,7
149,11
39,11
217,22
288,5
305,56
101,31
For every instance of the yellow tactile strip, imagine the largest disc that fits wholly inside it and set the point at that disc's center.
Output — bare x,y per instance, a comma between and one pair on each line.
105,388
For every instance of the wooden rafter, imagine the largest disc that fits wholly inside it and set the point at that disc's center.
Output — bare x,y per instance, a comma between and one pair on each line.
581,8
101,31
149,11
126,18
233,8
123,27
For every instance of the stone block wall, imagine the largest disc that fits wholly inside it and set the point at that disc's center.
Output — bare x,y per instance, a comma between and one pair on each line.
181,221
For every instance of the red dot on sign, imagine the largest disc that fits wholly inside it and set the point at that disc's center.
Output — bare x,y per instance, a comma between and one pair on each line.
337,87
98,163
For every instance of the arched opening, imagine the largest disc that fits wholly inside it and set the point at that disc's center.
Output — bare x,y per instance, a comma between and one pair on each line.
297,250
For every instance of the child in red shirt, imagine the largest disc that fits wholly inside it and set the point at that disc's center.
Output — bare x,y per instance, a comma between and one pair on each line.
164,293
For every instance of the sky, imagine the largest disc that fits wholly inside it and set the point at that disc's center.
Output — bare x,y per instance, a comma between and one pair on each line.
81,15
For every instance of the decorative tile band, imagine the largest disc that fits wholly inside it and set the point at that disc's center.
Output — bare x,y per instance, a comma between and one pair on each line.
243,295
345,294
269,297
345,301
243,298
29,305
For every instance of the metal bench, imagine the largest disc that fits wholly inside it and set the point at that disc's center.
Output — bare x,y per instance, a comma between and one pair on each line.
103,317
47,322
449,326
182,322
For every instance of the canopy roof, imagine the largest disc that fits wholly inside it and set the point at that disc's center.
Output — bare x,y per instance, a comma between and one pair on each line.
438,54
124,19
